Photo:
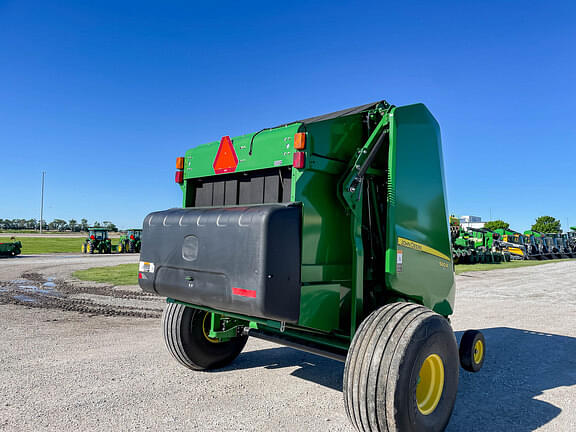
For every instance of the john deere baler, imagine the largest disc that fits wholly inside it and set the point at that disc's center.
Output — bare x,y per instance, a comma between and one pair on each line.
327,234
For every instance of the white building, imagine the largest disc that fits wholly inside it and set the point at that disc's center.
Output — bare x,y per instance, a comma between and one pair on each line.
471,222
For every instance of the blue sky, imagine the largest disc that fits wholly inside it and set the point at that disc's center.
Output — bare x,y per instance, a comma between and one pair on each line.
105,95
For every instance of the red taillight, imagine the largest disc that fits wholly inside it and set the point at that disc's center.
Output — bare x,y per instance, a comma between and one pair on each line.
179,178
226,159
131,237
139,275
299,160
92,237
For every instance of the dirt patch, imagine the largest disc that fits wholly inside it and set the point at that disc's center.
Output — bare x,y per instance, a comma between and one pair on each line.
37,291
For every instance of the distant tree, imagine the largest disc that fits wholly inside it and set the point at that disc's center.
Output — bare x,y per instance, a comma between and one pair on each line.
96,224
72,224
110,226
58,224
547,224
84,224
497,224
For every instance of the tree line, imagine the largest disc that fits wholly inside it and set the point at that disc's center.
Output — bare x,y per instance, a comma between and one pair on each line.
543,224
56,225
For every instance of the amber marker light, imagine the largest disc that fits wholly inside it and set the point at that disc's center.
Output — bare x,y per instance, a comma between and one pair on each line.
300,141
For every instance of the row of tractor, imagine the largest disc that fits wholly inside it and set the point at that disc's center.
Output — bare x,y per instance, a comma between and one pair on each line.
99,242
482,245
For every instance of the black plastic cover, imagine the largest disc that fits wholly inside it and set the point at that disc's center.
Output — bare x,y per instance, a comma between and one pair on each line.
236,259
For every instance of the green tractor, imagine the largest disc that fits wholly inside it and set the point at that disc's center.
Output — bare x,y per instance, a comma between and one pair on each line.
130,242
97,242
11,248
329,235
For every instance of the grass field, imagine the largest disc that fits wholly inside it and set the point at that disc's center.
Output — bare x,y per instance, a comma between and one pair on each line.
122,274
461,268
16,232
42,245
127,274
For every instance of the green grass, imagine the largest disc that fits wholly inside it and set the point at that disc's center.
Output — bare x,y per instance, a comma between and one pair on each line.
123,274
127,274
42,245
16,232
461,268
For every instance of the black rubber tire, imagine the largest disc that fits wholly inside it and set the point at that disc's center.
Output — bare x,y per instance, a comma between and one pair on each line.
184,337
468,349
383,366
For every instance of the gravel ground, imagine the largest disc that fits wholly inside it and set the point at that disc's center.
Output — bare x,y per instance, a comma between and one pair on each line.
67,371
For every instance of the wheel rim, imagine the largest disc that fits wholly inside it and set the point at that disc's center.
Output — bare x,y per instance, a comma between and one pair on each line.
430,384
478,351
206,329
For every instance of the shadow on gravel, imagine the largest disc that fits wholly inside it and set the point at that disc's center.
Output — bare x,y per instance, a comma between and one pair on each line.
320,370
519,366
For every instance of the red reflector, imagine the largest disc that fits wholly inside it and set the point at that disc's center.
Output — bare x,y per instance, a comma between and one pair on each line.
226,159
139,275
299,160
179,177
244,292
92,237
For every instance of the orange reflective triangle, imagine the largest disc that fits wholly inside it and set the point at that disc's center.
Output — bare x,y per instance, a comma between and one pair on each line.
226,159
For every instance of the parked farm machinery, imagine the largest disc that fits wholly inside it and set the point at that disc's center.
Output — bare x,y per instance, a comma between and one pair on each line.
11,248
481,245
97,242
131,241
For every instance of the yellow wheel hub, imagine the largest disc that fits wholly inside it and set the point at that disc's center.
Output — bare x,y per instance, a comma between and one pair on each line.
430,384
206,329
478,352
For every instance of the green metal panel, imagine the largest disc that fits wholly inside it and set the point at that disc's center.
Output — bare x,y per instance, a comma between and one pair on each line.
319,306
337,138
326,247
270,148
420,267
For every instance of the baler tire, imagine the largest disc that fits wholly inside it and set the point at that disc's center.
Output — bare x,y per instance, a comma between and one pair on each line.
383,385
185,339
472,351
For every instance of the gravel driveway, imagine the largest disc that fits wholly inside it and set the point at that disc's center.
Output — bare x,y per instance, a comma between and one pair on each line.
67,370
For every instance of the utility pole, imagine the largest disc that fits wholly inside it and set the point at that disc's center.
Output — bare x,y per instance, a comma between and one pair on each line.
42,202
